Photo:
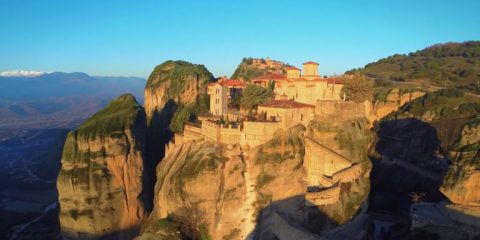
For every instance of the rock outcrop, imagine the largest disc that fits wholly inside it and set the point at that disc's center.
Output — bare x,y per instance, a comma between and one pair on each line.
391,101
226,192
416,144
200,187
251,68
462,183
179,81
171,86
100,184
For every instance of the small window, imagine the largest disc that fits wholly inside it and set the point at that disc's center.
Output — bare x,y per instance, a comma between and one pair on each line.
301,117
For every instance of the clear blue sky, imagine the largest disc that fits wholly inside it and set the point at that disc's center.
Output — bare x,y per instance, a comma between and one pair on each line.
130,37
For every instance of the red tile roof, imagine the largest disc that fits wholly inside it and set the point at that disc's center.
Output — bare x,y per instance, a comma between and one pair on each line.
328,80
285,104
233,83
272,76
334,80
310,63
212,83
292,68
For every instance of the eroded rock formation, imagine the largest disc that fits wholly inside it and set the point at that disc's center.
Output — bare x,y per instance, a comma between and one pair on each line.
101,181
200,187
179,81
241,192
462,183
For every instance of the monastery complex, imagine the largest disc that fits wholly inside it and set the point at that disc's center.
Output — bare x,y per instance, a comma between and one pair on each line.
298,99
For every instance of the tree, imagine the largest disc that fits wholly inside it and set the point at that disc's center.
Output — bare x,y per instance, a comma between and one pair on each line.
357,89
192,222
254,95
180,117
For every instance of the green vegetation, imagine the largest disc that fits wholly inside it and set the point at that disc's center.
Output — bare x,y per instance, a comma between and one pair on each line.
199,161
178,73
380,94
233,235
185,113
450,64
358,88
247,70
120,114
263,179
445,103
75,214
191,223
180,117
166,228
283,146
263,199
354,137
254,95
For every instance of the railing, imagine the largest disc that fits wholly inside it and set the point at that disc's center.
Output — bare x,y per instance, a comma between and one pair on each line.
194,124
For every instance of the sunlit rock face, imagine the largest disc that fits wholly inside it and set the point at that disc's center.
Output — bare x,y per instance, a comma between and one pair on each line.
260,193
170,86
200,186
101,180
392,101
462,182
179,81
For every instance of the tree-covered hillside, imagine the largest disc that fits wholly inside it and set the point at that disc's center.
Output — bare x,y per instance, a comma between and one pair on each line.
449,64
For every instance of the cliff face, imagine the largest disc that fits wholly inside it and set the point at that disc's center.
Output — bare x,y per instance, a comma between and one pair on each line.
463,178
413,150
391,101
229,192
101,181
180,81
351,140
171,86
201,189
250,68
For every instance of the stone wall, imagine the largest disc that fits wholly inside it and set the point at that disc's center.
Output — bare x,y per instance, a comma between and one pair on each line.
192,133
252,134
348,174
221,133
308,91
210,130
230,134
394,100
289,117
256,133
324,197
342,110
321,161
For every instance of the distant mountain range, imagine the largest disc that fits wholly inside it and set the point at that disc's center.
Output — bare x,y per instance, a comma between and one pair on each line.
31,99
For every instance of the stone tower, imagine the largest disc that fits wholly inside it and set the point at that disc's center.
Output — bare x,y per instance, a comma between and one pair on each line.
293,72
310,70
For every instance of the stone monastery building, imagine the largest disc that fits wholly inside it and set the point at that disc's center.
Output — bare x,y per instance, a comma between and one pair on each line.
304,88
296,96
298,99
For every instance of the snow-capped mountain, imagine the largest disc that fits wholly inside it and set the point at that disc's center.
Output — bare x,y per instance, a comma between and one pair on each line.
21,73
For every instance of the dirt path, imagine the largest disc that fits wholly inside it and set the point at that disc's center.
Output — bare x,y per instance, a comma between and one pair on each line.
250,199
